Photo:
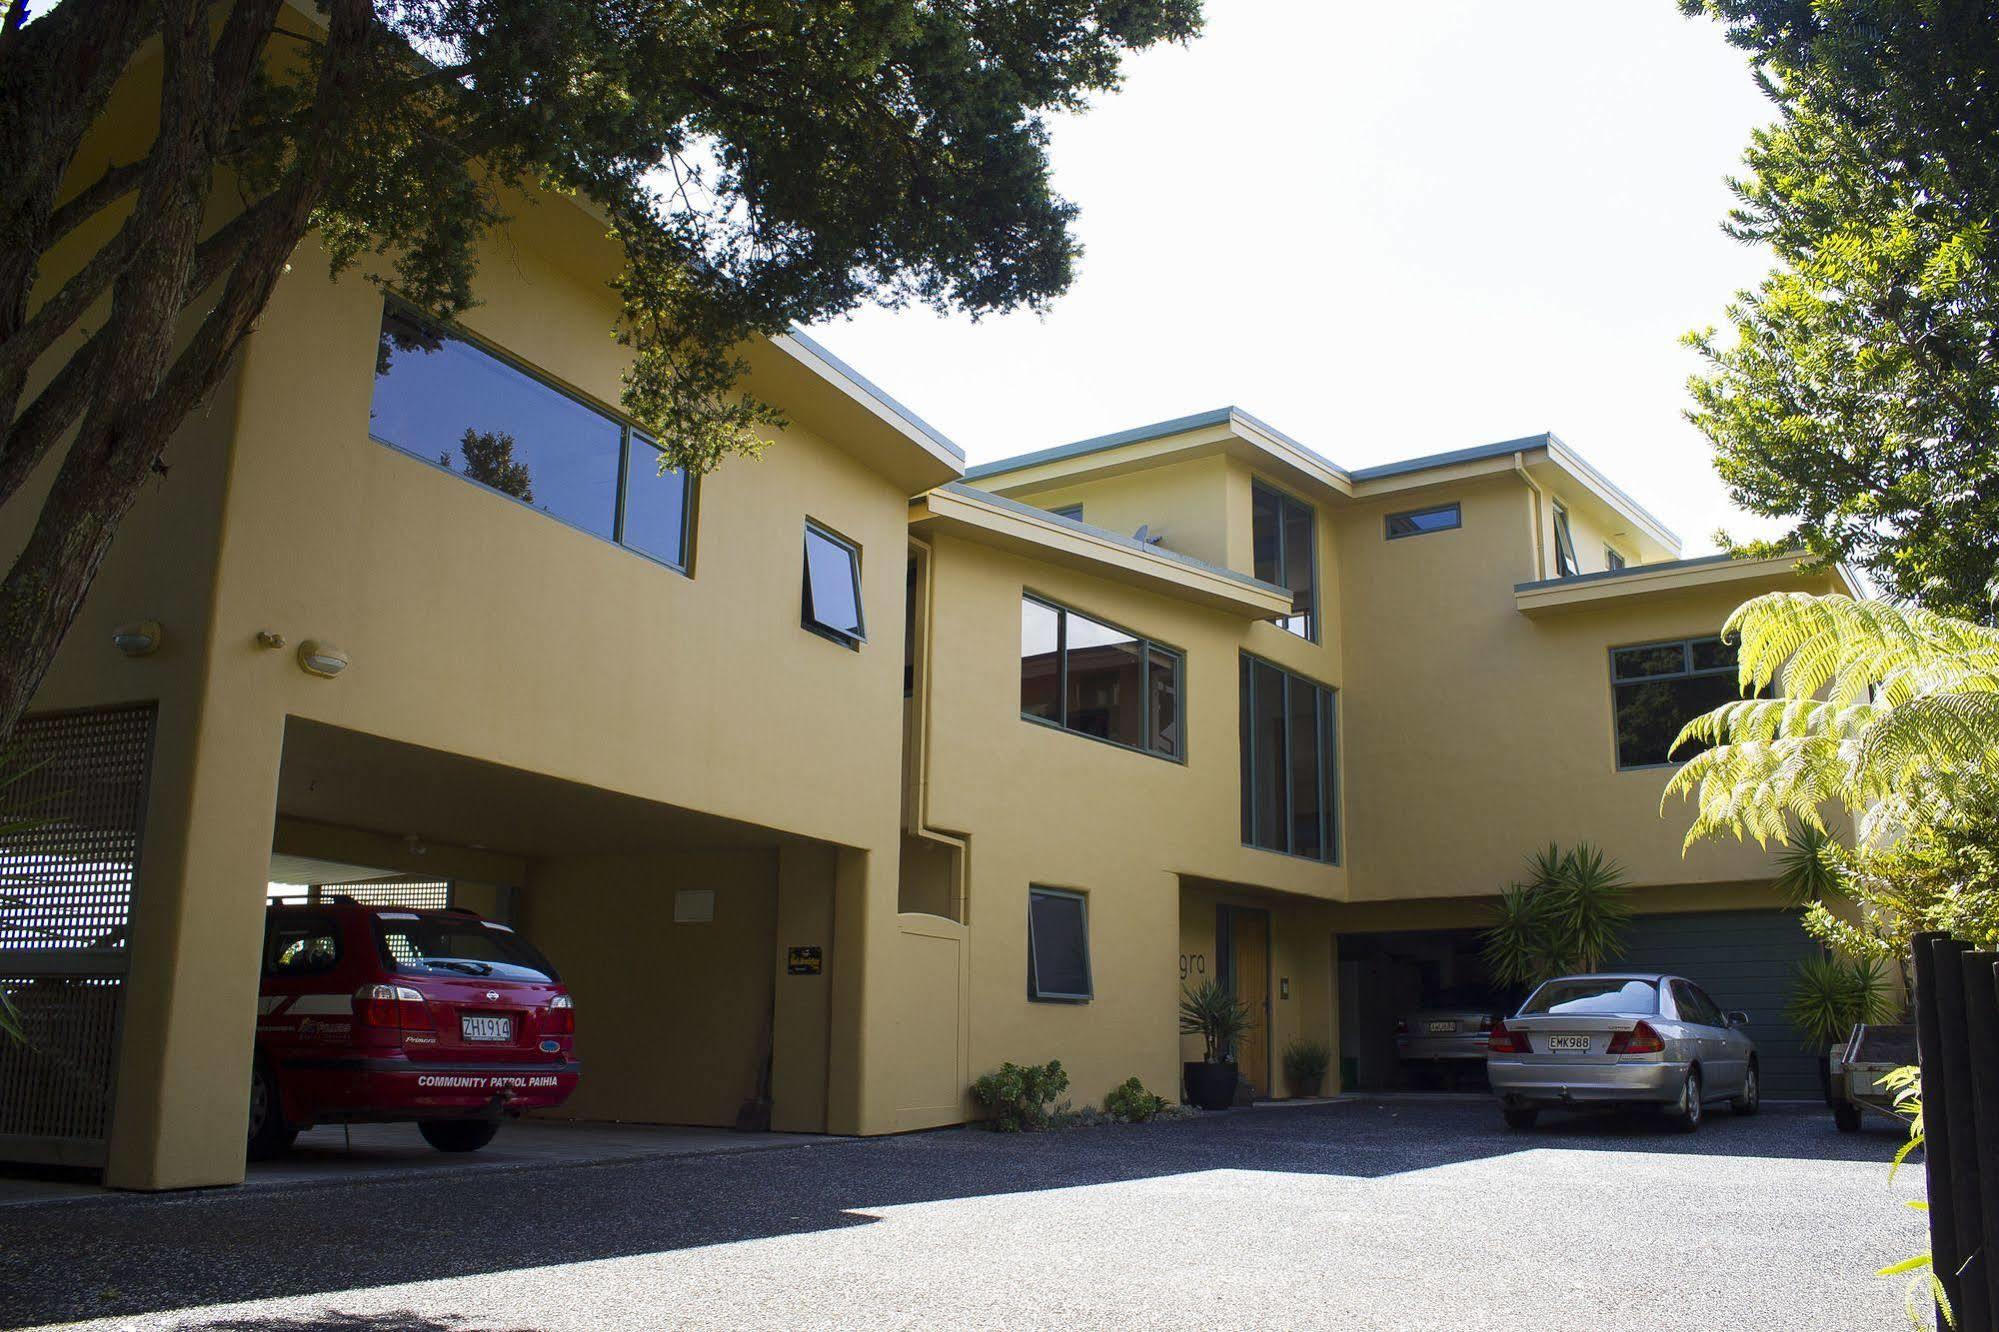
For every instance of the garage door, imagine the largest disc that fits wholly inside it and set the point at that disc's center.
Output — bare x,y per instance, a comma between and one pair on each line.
1746,960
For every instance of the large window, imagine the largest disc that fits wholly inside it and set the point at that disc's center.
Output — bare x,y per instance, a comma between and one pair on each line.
1286,553
1058,946
1290,763
1098,679
832,591
452,402
1660,687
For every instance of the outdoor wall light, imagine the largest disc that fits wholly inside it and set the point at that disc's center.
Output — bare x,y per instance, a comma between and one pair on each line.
141,638
324,659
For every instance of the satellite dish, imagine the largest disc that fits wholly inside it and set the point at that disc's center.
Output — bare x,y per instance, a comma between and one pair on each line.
1143,535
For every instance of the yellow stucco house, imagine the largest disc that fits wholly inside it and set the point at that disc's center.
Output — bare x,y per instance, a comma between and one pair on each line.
1182,702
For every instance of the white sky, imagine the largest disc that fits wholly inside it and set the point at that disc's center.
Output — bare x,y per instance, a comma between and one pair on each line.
1387,230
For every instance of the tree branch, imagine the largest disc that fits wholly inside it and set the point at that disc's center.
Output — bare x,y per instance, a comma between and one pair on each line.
114,184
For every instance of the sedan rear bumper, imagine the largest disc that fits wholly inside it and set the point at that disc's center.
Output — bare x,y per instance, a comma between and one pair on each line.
1521,1083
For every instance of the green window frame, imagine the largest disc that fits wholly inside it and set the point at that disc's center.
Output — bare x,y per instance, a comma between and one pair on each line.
1162,681
1566,565
1422,522
1290,794
1681,678
1283,557
1046,910
821,586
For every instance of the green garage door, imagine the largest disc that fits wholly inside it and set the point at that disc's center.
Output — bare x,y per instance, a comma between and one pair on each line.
1746,960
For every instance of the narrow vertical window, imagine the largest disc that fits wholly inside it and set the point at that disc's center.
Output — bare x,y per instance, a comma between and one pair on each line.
655,509
1058,946
1565,545
1284,551
1040,661
1612,560
1290,769
832,591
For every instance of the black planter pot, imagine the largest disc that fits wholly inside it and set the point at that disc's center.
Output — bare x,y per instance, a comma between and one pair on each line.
1309,1086
1210,1086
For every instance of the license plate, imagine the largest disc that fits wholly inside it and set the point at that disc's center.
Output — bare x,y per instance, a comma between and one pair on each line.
481,1028
1568,1043
1444,1028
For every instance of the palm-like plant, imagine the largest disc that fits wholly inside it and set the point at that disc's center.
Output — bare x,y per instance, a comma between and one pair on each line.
1831,994
1209,1011
1887,710
1811,868
1569,915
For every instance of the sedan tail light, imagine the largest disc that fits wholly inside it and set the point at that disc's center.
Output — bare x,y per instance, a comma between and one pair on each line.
1505,1040
392,1008
1641,1039
560,1019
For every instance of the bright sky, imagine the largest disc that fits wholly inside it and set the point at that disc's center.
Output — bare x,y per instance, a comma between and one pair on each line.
1387,230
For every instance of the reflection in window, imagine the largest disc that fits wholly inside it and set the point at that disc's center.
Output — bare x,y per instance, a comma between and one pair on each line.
1284,545
1613,559
1660,687
1058,946
1097,679
832,595
1565,545
1416,522
1290,763
448,400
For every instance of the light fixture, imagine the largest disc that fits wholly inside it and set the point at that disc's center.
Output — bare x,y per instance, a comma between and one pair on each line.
323,659
141,638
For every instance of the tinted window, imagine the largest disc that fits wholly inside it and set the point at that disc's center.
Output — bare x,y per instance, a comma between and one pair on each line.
1694,1005
1659,688
1612,559
1283,545
298,945
1098,679
450,401
1609,995
1416,522
832,586
447,946
1058,945
1290,770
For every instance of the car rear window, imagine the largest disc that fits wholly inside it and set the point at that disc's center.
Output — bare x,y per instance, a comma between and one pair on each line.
1600,995
436,945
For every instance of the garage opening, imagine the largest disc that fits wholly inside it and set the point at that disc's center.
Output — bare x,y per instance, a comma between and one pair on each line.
1415,1009
664,925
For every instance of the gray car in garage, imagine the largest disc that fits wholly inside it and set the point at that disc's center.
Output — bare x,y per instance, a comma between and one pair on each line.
1622,1039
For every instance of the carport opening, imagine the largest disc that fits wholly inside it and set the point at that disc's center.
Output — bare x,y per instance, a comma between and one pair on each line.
1411,1006
666,925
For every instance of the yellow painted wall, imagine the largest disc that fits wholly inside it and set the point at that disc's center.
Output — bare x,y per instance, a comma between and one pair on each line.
1185,504
672,1019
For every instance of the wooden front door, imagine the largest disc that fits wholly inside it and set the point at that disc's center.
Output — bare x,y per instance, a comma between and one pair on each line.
1248,933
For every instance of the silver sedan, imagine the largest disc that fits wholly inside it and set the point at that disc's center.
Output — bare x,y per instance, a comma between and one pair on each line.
1623,1039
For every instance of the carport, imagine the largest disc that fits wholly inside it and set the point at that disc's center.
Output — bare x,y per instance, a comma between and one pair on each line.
666,924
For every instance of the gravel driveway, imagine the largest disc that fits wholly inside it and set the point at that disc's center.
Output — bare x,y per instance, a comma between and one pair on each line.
1355,1214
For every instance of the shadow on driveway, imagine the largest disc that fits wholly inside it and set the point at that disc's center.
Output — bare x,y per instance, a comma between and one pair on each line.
134,1254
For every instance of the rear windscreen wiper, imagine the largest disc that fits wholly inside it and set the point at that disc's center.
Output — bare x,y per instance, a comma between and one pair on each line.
455,964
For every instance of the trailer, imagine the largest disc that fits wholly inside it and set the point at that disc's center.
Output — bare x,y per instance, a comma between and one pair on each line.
1858,1070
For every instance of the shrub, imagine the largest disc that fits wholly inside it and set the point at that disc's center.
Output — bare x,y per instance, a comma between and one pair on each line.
1019,1095
1305,1064
1131,1103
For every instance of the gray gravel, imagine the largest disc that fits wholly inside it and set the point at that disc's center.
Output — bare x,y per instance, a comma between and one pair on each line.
1359,1214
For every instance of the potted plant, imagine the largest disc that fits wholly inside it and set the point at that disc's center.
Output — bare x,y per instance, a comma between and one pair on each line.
1209,1011
1829,995
1305,1065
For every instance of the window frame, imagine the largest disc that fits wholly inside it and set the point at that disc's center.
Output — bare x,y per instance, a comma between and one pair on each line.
1284,497
326,923
1566,563
852,642
627,430
1146,647
1035,994
1614,559
1687,671
1454,508
1073,512
1331,791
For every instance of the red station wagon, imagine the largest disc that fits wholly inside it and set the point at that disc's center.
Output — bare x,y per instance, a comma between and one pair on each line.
382,1014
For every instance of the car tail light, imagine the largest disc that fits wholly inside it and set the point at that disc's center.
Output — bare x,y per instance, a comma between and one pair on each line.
1641,1039
1485,1026
392,1008
1505,1040
561,1018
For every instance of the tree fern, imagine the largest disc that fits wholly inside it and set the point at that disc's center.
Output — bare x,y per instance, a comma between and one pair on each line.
1886,710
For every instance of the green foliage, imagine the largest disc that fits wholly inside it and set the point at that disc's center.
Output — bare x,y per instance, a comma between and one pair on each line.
1830,994
1568,916
1907,1083
1942,874
1130,1103
1809,869
1858,396
489,457
1890,711
1306,1062
1020,1096
1210,1011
